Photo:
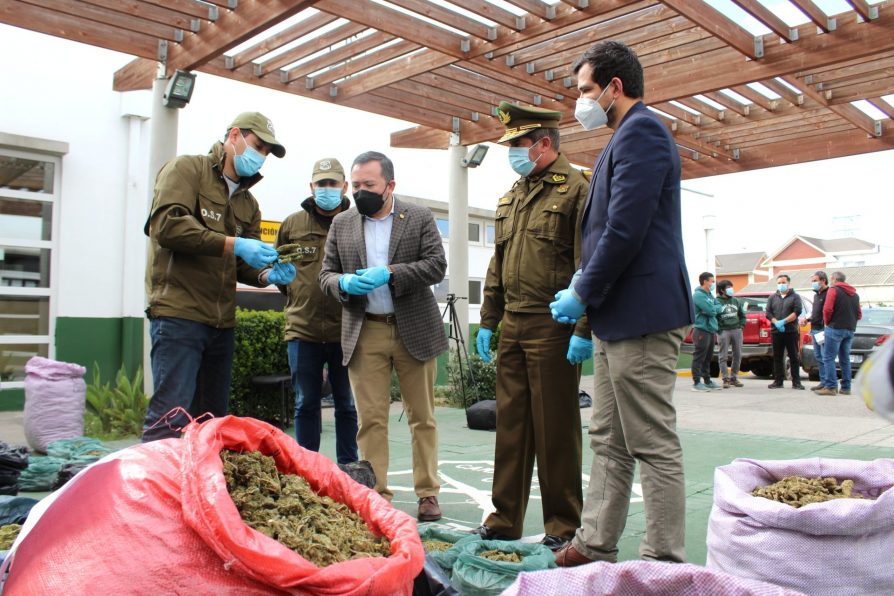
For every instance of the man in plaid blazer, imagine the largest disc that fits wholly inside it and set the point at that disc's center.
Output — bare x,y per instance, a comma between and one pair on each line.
380,261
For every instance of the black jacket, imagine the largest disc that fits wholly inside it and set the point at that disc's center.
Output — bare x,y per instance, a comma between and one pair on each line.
816,316
779,307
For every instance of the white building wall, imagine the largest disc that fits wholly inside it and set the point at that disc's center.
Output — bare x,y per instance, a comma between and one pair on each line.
69,86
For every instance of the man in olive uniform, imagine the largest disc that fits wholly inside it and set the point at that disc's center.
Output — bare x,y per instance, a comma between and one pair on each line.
538,360
313,320
205,229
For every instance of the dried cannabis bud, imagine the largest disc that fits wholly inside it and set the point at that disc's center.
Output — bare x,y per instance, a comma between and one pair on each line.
798,491
285,508
8,535
498,555
435,546
289,253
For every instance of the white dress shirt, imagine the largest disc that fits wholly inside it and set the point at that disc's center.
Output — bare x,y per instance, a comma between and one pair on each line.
377,236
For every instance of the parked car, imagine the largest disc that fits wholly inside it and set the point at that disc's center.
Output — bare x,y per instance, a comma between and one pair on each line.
874,329
757,346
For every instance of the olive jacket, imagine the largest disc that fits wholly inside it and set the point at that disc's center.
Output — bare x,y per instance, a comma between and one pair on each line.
537,244
310,314
188,274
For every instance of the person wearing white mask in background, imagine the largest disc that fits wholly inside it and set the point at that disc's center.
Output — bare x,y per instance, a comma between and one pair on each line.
205,230
783,309
538,360
731,321
313,320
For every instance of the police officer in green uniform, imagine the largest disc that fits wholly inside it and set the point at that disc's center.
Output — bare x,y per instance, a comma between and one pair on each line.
313,320
538,360
205,230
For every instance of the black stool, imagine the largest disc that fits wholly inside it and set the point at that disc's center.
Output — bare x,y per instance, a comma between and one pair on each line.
285,386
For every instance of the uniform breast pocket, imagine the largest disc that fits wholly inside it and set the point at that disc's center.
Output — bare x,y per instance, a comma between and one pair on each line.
212,213
502,224
310,247
554,221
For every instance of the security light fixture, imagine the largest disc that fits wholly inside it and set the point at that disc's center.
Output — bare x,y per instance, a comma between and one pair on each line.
179,89
474,157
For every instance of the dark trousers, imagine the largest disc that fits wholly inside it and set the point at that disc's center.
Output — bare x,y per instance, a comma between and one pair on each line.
703,350
786,342
306,360
538,417
192,366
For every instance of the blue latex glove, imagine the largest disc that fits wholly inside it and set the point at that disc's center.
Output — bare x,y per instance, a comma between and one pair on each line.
254,252
282,274
379,276
579,349
356,285
567,308
482,342
780,326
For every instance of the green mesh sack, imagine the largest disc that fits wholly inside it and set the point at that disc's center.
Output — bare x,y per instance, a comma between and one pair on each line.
82,449
476,576
40,474
457,538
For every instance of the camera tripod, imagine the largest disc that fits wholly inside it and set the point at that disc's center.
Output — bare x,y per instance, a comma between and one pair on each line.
455,333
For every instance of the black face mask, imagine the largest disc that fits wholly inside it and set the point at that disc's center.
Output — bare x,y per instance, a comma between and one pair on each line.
368,203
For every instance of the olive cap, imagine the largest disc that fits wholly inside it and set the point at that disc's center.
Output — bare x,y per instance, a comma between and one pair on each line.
262,126
520,120
328,169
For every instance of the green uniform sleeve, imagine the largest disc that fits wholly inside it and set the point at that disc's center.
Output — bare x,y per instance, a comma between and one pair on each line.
494,300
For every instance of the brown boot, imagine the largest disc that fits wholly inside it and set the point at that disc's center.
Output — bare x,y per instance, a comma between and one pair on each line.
827,391
429,509
569,557
736,382
726,383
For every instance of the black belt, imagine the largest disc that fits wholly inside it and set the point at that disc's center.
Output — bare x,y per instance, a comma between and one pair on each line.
388,319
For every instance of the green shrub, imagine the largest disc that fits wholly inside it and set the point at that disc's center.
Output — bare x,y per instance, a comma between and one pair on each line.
260,350
115,413
484,374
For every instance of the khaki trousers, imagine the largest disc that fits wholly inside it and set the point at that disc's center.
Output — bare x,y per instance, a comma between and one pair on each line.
634,419
538,415
379,348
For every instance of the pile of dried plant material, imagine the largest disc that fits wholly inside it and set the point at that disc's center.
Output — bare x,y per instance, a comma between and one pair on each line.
8,535
285,508
435,546
498,555
798,491
289,253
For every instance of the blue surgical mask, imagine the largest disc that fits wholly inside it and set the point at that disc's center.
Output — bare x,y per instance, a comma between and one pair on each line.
729,292
327,198
815,285
783,288
519,160
249,163
713,288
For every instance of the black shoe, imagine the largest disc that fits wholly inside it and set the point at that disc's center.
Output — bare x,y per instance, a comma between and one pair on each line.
488,534
554,543
799,387
774,386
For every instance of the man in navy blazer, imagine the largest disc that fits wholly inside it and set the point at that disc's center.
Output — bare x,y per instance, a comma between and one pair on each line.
634,288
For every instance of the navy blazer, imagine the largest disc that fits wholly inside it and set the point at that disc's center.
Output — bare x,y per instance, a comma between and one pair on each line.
634,278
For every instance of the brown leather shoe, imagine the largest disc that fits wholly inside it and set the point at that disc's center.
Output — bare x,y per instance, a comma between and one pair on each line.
569,557
826,391
428,509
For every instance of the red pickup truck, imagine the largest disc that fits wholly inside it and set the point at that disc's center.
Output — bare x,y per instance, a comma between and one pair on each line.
757,347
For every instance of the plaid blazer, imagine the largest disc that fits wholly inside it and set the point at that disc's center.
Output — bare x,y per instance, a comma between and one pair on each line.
417,260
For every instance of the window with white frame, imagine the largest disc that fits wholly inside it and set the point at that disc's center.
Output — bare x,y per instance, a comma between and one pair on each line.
29,196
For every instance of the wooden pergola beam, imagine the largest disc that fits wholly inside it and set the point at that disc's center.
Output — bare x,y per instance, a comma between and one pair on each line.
150,12
756,97
42,20
311,46
188,7
545,11
720,26
363,63
815,14
276,41
396,23
420,137
846,111
729,103
135,76
768,18
493,13
796,99
702,108
112,19
448,17
883,106
679,113
345,52
866,12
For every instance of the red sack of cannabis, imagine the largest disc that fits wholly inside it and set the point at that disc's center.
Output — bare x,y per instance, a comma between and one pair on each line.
157,518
